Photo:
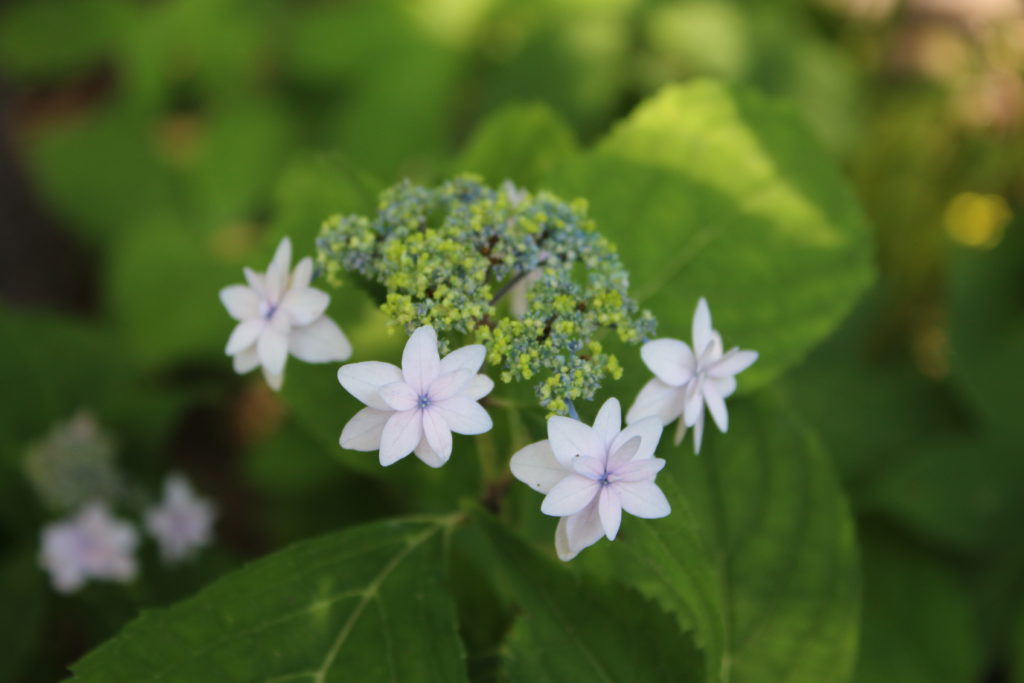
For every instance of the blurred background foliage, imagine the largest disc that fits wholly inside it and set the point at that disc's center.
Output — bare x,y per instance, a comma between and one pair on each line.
150,149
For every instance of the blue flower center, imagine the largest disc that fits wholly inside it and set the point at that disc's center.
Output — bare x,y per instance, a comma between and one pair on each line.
423,402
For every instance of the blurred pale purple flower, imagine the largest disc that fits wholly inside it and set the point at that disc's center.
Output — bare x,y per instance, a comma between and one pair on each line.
89,545
686,380
592,474
182,522
415,408
279,313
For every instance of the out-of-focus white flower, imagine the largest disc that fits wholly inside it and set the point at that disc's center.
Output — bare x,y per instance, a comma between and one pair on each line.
685,380
182,522
592,474
73,465
279,313
415,408
90,545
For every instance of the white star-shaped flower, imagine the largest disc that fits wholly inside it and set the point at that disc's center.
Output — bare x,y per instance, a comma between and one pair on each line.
279,313
182,522
686,380
592,474
89,545
415,408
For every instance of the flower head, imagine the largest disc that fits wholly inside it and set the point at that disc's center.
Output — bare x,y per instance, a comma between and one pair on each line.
592,474
686,380
89,545
182,522
415,408
279,313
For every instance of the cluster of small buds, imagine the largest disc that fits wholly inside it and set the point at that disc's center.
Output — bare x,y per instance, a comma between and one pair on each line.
74,473
446,256
73,464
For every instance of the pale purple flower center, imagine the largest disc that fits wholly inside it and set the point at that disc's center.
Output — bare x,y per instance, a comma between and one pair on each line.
267,309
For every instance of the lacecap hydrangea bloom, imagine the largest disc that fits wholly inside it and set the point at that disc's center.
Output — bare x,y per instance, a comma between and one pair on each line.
91,545
415,408
278,314
591,474
182,522
447,256
686,380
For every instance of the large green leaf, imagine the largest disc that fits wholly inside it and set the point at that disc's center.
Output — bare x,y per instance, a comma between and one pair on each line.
575,629
716,193
519,142
919,626
759,508
366,604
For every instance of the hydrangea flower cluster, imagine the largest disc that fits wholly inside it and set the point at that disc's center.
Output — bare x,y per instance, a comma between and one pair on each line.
446,256
73,471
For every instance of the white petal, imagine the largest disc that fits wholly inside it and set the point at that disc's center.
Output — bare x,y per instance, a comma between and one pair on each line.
241,301
399,396
694,401
478,387
463,415
244,335
701,327
246,360
608,421
591,468
303,306
680,432
273,345
569,496
420,360
467,358
448,384
302,274
732,363
276,279
610,511
584,529
401,435
657,398
570,438
256,281
562,541
437,433
364,380
726,386
274,380
670,360
648,429
427,455
639,470
364,430
716,406
322,341
698,430
624,454
642,499
536,466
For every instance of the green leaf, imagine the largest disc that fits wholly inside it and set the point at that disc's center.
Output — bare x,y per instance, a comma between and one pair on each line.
919,625
163,293
365,604
761,510
102,173
521,142
987,329
717,193
44,40
575,629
